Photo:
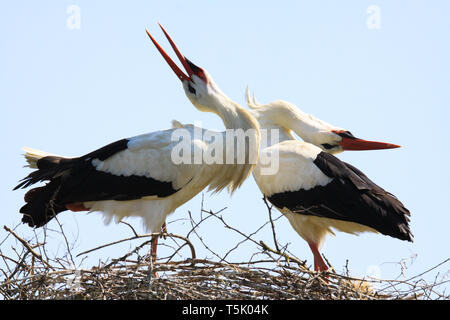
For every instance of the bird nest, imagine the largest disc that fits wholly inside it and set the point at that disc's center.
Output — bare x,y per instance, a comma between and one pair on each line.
30,273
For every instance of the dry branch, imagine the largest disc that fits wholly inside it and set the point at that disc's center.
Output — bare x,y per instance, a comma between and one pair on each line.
31,274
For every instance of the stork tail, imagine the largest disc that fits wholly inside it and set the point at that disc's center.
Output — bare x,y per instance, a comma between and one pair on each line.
33,155
41,204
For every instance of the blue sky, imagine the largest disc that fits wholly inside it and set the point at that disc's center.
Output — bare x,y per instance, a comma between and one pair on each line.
70,91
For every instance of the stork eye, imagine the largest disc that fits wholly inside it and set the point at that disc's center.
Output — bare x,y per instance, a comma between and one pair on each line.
327,146
191,89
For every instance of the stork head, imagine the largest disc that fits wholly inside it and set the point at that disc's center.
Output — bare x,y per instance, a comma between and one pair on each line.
198,85
341,140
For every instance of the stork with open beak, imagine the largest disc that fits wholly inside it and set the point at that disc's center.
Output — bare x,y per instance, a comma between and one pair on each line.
137,176
316,191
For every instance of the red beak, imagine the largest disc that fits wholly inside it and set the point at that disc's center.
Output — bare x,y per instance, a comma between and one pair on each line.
349,142
180,74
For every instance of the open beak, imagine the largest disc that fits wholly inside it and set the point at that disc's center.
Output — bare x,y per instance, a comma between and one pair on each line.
180,74
349,142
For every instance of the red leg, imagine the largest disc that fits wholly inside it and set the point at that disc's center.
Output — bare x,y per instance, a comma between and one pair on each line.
154,246
319,264
153,249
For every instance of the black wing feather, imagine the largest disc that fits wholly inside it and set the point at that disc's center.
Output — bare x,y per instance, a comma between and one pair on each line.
350,196
76,180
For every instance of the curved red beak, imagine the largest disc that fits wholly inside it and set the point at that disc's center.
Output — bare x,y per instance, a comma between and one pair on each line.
349,142
180,74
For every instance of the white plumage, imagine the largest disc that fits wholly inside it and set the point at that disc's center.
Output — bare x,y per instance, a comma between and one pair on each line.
296,168
138,176
314,190
150,155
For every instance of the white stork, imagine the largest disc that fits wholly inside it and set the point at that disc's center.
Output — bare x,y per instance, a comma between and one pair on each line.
136,176
315,190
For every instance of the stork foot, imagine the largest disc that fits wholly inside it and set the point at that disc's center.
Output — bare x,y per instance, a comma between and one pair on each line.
319,264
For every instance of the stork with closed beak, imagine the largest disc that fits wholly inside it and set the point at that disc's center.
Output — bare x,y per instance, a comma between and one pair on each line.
316,191
137,176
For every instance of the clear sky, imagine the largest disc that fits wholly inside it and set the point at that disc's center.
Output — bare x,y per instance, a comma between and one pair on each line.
70,86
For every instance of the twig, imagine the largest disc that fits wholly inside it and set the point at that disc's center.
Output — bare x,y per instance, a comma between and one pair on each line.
65,240
269,209
27,245
277,274
288,257
131,227
157,234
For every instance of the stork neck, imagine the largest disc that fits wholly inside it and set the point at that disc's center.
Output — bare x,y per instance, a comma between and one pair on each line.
288,118
271,131
310,128
233,115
